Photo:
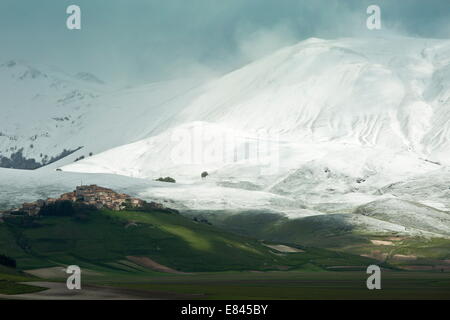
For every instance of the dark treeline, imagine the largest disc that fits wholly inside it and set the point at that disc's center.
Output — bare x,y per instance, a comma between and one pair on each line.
7,261
59,208
66,209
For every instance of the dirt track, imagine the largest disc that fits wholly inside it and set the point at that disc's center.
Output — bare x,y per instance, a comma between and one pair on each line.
59,291
149,263
283,248
56,272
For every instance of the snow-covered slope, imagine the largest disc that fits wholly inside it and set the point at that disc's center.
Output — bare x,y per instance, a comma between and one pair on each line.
46,114
364,107
408,214
37,106
319,128
393,93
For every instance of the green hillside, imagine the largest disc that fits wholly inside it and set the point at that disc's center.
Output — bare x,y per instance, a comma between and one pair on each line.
11,282
199,260
317,231
107,241
331,233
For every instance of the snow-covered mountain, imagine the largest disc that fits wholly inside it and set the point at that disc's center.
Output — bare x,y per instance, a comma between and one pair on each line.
35,106
360,107
47,114
356,127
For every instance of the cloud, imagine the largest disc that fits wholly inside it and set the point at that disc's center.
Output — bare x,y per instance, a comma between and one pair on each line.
150,40
253,43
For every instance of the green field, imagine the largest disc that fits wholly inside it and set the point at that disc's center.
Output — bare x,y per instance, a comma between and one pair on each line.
294,285
332,234
105,238
217,264
11,282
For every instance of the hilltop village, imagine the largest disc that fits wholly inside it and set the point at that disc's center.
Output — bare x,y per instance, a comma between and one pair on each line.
92,195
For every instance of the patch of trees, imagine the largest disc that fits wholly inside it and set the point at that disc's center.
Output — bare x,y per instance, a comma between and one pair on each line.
202,220
433,162
83,157
67,208
7,261
58,209
62,155
166,179
18,161
150,207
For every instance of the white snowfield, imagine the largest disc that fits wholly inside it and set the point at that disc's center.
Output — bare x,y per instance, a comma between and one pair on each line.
320,128
45,111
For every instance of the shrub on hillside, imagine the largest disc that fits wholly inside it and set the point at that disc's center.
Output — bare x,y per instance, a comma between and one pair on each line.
202,220
166,179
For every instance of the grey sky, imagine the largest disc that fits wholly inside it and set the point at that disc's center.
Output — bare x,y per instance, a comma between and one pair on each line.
131,41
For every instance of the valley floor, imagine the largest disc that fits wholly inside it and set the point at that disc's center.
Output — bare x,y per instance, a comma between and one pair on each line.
255,286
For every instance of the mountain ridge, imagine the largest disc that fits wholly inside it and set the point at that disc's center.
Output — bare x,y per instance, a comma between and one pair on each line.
329,92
